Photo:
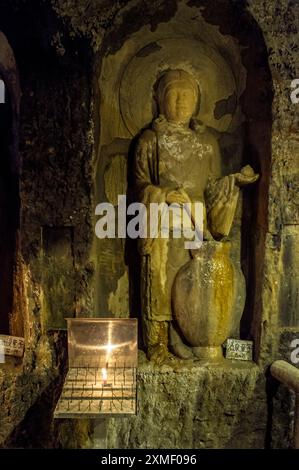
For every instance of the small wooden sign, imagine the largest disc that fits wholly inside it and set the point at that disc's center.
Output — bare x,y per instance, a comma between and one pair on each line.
239,349
11,346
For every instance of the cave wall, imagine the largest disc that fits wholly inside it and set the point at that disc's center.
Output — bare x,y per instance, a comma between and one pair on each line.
60,48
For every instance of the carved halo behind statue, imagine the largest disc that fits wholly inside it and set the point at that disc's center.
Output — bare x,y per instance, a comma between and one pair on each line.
215,78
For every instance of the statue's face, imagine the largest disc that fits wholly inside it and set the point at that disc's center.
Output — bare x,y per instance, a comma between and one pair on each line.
179,102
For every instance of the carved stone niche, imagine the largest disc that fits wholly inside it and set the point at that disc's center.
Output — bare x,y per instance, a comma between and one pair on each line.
11,321
234,114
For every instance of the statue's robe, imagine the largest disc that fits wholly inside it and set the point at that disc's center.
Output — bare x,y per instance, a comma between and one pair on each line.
169,157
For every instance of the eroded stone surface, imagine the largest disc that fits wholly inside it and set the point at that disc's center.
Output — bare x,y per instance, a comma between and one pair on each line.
192,407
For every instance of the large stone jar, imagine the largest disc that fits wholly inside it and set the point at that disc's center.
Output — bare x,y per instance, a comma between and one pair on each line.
208,298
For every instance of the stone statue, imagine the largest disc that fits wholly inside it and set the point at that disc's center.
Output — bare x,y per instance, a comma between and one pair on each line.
177,160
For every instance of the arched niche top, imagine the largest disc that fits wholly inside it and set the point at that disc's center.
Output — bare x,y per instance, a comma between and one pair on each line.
212,73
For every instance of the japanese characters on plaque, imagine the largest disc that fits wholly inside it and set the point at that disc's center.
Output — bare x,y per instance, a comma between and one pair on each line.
239,349
11,346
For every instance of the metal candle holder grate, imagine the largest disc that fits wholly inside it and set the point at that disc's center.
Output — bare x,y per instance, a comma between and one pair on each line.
105,385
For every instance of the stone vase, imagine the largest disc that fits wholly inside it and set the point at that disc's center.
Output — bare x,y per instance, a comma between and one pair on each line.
208,297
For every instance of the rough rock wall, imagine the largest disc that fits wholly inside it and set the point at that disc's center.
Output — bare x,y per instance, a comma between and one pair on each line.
56,141
279,23
54,43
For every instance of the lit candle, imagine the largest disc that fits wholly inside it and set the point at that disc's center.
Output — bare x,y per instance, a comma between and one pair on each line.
104,375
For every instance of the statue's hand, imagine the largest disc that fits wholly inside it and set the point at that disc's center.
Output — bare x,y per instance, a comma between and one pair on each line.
246,176
177,196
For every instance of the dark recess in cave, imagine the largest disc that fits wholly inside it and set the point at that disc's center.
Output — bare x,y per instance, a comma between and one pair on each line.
9,215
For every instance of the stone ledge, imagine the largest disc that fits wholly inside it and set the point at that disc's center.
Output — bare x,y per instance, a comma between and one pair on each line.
187,366
194,405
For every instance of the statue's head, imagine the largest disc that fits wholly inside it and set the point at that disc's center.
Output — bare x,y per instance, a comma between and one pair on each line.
177,95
